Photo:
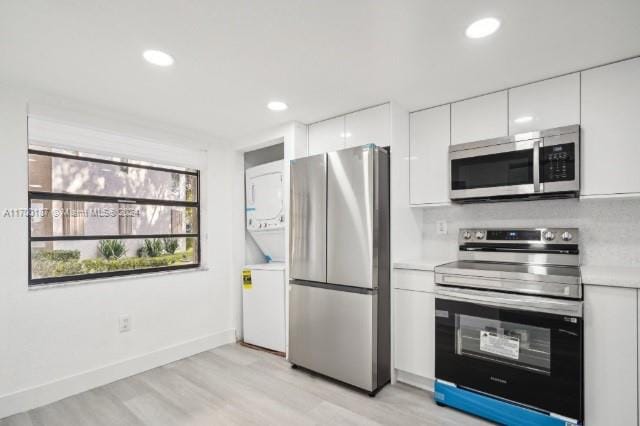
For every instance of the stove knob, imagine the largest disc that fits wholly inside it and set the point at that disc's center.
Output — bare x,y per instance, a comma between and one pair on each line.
466,235
566,236
549,236
479,235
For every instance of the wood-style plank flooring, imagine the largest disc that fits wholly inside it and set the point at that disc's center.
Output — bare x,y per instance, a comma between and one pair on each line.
234,385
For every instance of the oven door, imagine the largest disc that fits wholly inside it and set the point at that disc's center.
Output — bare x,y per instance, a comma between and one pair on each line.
507,169
521,355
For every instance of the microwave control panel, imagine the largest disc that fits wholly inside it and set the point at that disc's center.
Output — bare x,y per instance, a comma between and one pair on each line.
557,163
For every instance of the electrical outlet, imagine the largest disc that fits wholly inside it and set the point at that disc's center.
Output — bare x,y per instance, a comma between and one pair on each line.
125,323
441,227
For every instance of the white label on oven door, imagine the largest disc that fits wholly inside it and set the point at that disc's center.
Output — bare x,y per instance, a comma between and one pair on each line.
508,347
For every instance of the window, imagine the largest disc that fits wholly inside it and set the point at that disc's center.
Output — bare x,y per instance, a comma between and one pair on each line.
502,342
94,216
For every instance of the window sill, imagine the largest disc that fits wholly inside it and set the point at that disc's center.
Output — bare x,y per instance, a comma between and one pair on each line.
92,281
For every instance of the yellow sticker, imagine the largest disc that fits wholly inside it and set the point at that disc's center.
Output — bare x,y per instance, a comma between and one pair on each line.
246,279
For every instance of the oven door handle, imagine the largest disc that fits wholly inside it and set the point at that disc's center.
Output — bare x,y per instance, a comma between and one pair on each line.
572,308
507,283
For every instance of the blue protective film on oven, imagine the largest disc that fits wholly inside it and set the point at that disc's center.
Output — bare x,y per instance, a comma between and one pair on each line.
494,409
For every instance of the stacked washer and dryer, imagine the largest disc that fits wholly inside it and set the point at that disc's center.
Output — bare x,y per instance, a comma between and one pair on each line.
263,295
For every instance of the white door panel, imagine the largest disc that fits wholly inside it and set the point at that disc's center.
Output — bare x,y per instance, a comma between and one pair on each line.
368,126
326,136
545,104
484,117
428,158
610,129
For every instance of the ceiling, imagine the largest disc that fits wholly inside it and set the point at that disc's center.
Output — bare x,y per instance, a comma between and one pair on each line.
322,57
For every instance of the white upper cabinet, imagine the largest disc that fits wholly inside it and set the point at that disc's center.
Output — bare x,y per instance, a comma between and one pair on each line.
326,136
545,105
428,156
610,129
368,126
475,119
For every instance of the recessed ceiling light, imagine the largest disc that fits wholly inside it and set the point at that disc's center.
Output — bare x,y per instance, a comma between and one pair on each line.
523,119
345,134
158,57
277,106
483,27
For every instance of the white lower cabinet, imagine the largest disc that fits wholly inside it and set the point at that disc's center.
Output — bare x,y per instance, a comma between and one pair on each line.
610,355
414,279
415,334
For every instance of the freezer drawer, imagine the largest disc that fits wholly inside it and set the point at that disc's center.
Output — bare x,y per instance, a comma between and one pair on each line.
334,333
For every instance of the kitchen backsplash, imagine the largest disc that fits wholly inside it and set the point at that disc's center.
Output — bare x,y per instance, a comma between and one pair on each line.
609,228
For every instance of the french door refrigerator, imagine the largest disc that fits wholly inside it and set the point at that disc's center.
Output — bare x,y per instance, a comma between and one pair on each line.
339,308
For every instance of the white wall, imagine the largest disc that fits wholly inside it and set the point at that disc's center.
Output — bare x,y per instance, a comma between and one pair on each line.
58,341
608,227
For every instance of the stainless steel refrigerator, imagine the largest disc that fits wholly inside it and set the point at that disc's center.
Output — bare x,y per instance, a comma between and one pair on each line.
339,310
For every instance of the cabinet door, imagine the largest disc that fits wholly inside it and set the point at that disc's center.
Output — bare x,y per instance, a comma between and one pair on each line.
415,332
610,355
484,117
610,129
545,105
372,125
429,156
413,279
326,136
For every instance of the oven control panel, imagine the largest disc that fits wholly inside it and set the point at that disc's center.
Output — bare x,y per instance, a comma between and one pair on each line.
535,236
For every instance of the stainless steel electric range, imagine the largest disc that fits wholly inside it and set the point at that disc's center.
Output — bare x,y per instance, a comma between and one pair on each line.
509,330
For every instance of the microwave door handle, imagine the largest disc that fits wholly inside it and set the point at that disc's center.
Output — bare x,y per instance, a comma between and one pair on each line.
536,167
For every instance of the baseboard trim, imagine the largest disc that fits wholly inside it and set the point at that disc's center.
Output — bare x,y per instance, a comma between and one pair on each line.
414,380
47,393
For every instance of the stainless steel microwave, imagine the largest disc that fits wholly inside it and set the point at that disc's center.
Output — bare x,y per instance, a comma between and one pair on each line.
541,164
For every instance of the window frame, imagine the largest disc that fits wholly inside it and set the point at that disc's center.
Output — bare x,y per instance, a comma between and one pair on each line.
61,196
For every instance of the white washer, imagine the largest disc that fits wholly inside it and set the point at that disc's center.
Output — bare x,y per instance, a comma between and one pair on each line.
263,306
265,208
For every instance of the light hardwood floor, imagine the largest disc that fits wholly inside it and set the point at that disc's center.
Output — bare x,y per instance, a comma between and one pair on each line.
234,385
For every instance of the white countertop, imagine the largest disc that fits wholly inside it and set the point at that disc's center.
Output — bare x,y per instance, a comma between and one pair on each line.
419,264
614,276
